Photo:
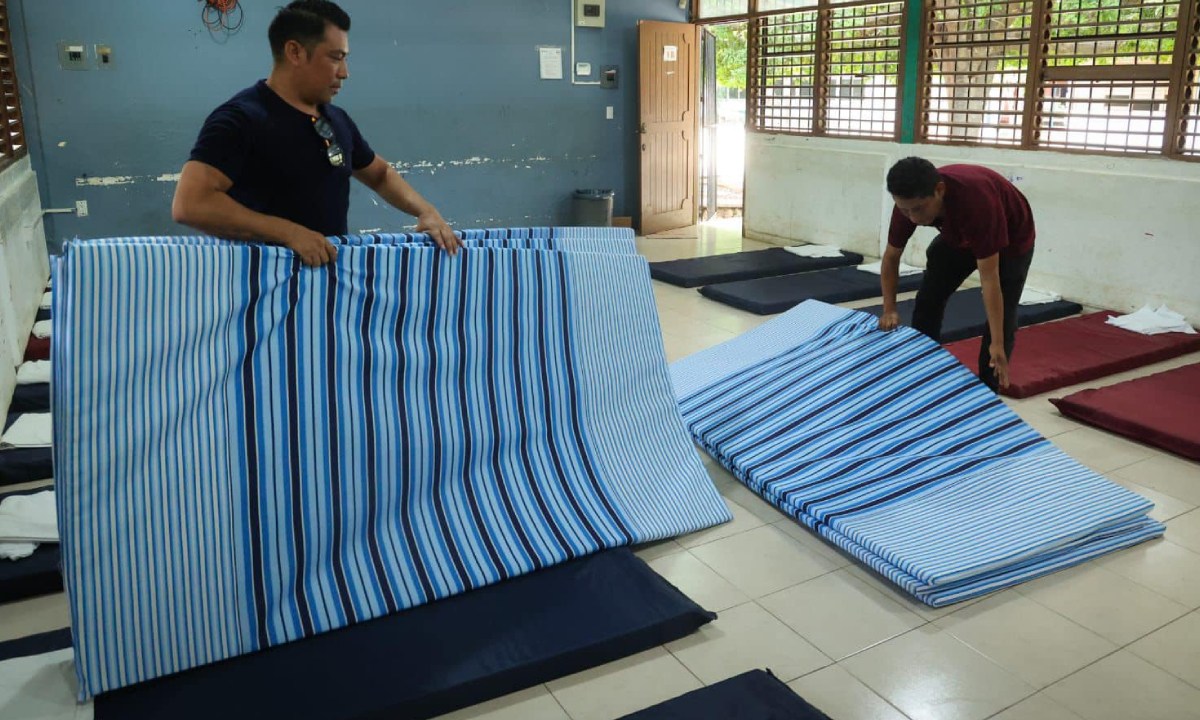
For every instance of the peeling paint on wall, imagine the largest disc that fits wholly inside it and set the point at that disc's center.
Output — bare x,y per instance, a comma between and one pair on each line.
417,166
109,181
104,181
431,167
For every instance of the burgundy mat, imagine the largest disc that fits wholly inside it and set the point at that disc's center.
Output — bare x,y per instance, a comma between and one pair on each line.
1057,354
37,348
1160,409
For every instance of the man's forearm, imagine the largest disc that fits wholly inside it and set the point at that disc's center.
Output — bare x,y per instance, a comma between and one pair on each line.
889,274
993,304
220,215
399,194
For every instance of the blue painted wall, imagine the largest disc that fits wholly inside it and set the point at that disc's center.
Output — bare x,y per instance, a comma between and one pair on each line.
448,88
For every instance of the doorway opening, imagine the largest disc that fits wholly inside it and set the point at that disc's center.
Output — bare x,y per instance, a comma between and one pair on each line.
723,120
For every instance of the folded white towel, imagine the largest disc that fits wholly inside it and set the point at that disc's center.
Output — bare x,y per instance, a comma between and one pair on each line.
30,430
16,551
47,298
29,518
814,251
1153,321
876,268
33,371
1034,296
42,328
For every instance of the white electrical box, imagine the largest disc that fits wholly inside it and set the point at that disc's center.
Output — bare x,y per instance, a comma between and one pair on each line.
589,13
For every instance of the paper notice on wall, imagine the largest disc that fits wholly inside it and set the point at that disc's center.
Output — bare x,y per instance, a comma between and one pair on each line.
550,62
670,53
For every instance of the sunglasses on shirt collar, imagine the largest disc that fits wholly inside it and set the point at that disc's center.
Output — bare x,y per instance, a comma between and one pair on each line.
333,151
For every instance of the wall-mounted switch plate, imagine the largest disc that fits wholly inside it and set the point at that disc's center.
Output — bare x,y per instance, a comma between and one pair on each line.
72,55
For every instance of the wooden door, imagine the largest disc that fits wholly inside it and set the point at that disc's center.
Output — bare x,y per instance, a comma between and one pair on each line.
668,95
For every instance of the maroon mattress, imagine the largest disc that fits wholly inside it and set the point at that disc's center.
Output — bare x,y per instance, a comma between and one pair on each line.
1160,409
1057,354
37,348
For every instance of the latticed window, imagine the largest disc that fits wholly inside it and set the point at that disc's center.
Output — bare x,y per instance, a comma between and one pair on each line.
12,130
1106,74
1115,76
826,68
976,67
862,63
786,72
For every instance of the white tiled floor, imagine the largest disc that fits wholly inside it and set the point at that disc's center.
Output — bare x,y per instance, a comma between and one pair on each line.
1116,638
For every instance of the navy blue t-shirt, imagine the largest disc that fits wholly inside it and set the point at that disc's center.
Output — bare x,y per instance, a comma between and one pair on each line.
278,162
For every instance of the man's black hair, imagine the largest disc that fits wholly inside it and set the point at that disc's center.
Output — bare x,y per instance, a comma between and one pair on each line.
912,177
304,21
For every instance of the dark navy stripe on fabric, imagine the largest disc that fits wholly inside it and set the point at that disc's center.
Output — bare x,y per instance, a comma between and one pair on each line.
307,448
885,445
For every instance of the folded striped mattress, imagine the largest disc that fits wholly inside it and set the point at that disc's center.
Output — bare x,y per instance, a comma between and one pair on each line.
888,447
249,451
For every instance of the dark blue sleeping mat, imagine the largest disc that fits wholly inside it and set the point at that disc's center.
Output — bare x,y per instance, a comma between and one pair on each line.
439,657
767,296
965,316
754,695
30,397
693,272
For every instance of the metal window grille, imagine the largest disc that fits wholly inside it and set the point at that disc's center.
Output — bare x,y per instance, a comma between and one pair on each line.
829,69
1109,76
1106,75
721,8
862,64
976,69
784,72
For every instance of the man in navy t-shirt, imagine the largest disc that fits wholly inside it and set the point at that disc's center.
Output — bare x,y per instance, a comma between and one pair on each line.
986,225
274,162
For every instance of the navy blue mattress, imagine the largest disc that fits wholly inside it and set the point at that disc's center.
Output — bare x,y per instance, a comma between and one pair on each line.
36,644
20,465
965,316
770,295
754,695
439,657
33,397
693,272
35,575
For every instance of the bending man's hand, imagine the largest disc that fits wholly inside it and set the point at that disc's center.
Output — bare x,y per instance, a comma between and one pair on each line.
889,320
999,364
439,231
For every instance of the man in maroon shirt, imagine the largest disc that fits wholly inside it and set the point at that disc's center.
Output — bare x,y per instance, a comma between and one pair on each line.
985,224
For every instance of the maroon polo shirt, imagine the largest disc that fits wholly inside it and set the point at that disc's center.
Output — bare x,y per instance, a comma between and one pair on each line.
982,213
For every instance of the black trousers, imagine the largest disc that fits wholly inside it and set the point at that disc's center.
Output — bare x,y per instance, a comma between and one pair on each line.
945,270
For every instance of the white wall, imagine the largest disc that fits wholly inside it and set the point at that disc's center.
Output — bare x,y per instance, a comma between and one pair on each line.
1112,232
24,268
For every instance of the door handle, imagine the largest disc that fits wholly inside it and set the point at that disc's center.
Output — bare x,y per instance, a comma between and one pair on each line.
641,129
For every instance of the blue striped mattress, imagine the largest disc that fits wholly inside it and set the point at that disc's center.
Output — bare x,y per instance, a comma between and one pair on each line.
888,447
616,241
249,452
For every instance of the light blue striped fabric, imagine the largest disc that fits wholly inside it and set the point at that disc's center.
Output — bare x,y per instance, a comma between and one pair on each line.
249,452
885,445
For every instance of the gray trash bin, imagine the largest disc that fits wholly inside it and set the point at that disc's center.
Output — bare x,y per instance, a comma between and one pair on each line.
592,208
